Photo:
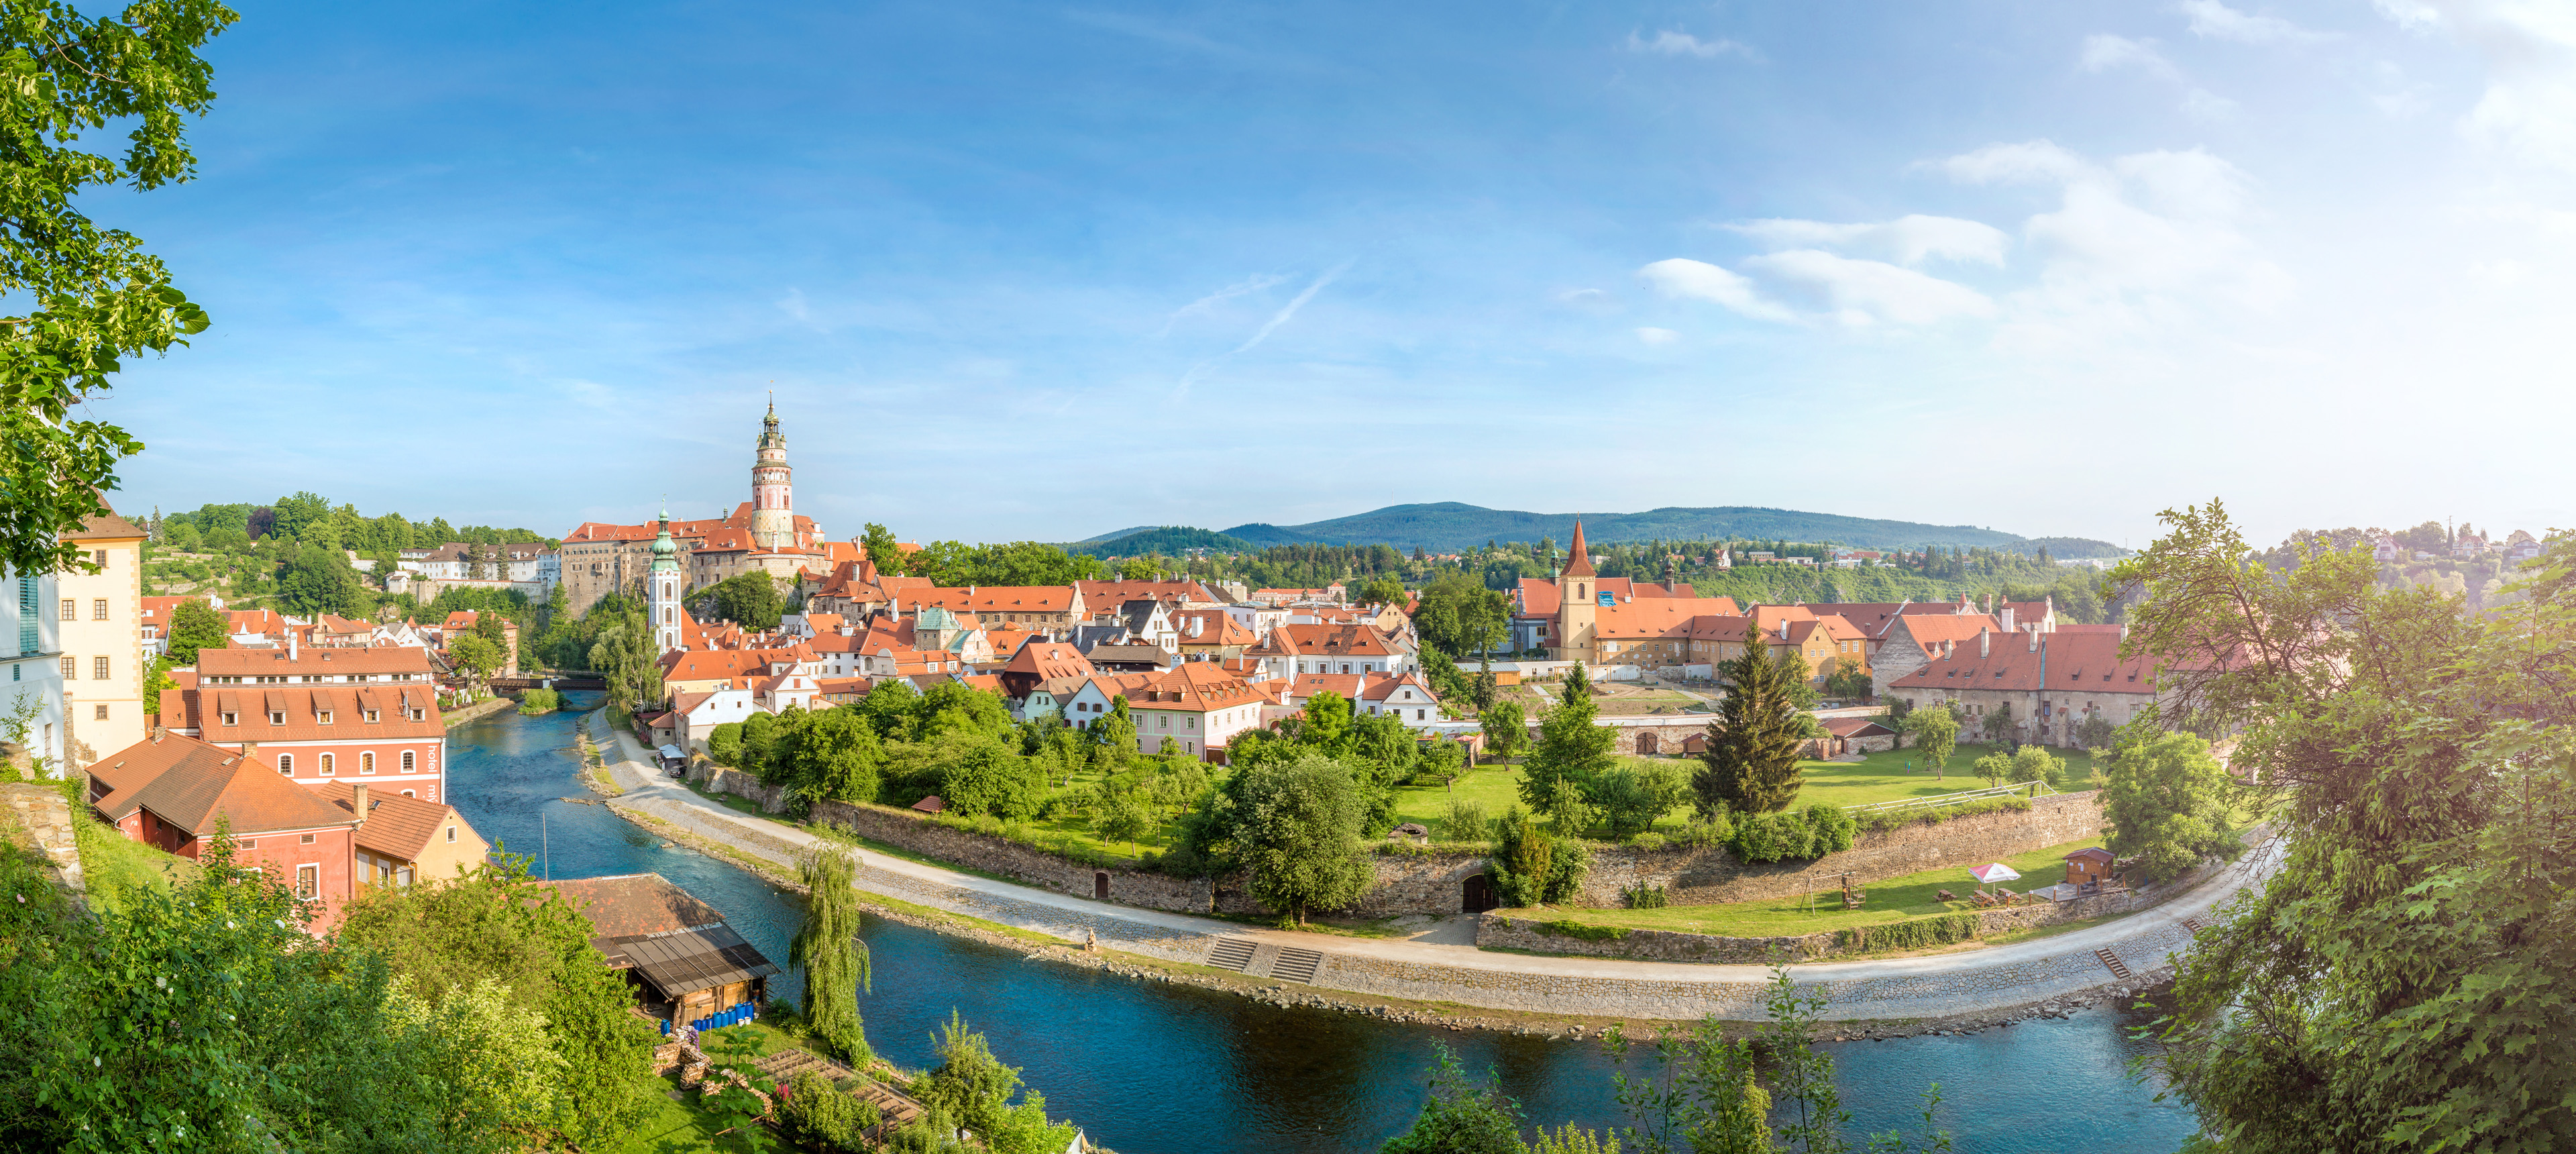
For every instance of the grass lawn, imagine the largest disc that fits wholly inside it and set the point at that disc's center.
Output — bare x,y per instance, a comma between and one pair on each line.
1883,776
1894,899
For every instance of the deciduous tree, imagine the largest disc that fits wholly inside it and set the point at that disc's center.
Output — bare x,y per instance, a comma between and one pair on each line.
835,960
195,626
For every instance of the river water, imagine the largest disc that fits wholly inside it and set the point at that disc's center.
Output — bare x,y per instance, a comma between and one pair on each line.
1148,1069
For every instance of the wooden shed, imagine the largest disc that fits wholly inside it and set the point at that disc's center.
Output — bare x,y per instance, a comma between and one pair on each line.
2089,865
684,961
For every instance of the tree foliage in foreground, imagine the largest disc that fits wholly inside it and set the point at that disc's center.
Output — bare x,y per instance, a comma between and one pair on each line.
2401,982
91,295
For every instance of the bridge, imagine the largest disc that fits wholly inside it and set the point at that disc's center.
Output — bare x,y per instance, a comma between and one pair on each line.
576,679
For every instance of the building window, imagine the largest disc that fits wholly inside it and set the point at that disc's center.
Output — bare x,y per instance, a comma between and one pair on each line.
411,793
307,839
98,609
100,714
286,763
367,762
308,881
330,764
276,717
230,718
407,761
323,717
451,833
71,669
371,717
70,609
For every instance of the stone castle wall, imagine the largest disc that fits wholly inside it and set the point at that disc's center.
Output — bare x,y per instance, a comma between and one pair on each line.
36,815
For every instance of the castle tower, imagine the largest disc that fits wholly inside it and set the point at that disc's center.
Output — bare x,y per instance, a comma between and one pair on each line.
662,588
773,497
1576,593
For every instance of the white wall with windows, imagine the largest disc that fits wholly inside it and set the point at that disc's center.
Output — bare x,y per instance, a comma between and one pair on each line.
31,676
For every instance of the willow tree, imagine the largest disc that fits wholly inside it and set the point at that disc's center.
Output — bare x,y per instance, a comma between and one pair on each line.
835,960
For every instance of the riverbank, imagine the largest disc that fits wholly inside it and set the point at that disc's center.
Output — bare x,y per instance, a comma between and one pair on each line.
1443,982
476,711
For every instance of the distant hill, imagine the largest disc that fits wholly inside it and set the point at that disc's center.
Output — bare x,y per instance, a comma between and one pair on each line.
2073,548
1449,526
1166,540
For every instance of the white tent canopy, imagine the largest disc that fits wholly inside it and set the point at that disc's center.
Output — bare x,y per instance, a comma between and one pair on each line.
1995,872
674,751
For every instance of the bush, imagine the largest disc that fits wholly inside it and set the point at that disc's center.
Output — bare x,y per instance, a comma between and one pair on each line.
1466,822
1647,841
820,1116
1706,830
1819,830
540,701
1643,897
1911,934
1898,819
1580,931
1530,867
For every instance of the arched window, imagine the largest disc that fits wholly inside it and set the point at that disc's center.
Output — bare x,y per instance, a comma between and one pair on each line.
286,764
330,764
407,761
367,762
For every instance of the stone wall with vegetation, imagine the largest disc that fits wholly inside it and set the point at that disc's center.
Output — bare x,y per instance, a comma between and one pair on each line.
1518,930
35,814
1712,876
1002,857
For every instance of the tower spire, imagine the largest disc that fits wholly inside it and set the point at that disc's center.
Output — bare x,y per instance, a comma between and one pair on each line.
1578,556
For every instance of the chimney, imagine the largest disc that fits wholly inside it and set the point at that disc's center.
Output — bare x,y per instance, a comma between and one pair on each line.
291,649
2034,640
1985,643
156,730
358,801
2008,617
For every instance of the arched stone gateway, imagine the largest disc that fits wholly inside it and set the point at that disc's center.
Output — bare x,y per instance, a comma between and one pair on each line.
1479,895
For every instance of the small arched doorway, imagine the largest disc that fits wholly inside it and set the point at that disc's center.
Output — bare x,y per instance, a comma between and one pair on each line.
1100,886
1649,742
1479,895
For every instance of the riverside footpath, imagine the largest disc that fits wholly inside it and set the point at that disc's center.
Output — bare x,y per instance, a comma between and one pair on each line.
1443,966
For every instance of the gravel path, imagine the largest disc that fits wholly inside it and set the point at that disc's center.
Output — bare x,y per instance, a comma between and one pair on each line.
1441,962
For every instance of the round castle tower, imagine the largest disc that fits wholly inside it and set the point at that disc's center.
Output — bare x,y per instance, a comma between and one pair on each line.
773,496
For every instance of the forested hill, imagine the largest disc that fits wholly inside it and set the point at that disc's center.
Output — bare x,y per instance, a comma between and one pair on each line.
1450,526
1166,541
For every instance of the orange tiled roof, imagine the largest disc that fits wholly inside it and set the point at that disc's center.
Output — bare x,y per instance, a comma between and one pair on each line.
2073,663
190,783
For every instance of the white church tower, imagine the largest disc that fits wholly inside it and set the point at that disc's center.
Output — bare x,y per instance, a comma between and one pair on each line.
662,589
773,496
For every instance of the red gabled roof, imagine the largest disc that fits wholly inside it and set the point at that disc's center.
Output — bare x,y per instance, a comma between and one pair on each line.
190,784
2063,662
1578,556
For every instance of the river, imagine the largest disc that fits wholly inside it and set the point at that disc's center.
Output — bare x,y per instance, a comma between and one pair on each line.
1149,1069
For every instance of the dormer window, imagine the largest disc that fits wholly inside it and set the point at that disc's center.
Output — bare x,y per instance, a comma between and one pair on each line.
230,718
323,717
276,717
372,716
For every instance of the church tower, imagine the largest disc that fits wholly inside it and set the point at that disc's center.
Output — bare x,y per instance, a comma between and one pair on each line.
1577,588
662,589
773,497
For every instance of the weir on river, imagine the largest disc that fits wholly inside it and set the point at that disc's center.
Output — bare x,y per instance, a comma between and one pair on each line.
1156,1069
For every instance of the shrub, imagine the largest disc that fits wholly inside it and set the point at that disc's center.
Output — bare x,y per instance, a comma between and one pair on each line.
1531,867
1819,830
820,1116
1647,841
1466,822
1911,934
1898,819
1580,931
1706,830
540,701
1643,897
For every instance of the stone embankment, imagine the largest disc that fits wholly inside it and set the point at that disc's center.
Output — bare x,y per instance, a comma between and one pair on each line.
36,815
476,711
1518,930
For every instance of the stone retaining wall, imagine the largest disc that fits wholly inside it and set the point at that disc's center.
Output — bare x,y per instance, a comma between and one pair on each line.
34,814
1523,932
1436,883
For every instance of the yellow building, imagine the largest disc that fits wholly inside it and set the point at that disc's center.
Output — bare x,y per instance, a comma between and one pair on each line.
105,664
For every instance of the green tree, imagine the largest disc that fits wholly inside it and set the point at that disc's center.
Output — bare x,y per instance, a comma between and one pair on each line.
2168,804
1462,1116
1634,797
474,656
1572,751
750,600
836,962
972,1090
1849,681
824,1117
1458,615
2398,983
831,755
319,580
2036,763
1383,589
90,295
1936,732
623,655
883,550
1293,824
195,626
1750,763
1506,730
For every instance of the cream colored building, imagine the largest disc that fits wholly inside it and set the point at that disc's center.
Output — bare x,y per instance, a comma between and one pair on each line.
104,662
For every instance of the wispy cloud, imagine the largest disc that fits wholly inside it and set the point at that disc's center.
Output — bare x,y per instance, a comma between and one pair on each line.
2215,20
2104,52
1684,277
1676,43
1655,336
1252,284
1910,239
1286,313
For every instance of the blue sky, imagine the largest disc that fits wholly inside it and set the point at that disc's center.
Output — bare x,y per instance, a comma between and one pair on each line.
1047,271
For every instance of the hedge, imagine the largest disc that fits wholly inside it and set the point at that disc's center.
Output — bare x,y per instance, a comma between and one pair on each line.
1589,933
1887,819
1911,934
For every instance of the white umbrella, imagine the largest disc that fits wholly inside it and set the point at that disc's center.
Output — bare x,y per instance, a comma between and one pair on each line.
1996,872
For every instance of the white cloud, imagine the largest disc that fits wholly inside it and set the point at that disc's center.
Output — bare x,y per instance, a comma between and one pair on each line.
2411,15
2140,244
2528,112
1868,291
1671,43
1908,239
2104,52
1682,277
1290,309
2203,104
2217,21
1656,336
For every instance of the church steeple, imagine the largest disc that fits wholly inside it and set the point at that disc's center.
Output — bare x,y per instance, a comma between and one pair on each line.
662,588
1578,558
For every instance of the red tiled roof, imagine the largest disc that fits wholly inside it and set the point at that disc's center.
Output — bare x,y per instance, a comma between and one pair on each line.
106,528
994,598
1048,660
267,662
189,784
1578,556
404,827
633,904
196,708
2073,663
1121,592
